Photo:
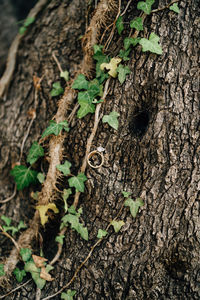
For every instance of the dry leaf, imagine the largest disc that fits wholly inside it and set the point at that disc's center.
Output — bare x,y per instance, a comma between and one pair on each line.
39,261
43,210
44,275
112,66
32,113
36,82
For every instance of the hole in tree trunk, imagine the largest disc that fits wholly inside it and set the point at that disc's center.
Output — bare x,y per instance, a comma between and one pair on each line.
139,123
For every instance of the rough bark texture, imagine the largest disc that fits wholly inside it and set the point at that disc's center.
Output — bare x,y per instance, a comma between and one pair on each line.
154,155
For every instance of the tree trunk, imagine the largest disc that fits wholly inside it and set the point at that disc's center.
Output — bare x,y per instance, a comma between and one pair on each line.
154,155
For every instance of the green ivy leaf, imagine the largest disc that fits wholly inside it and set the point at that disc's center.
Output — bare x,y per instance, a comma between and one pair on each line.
57,89
101,233
65,168
72,210
78,182
85,108
75,224
95,86
111,119
22,30
65,75
122,72
25,254
69,295
41,177
19,274
6,220
29,21
100,58
35,273
175,8
130,41
80,83
151,44
145,6
85,96
120,24
10,228
35,152
137,23
126,194
65,125
117,225
23,176
2,273
134,205
21,225
55,128
124,54
59,239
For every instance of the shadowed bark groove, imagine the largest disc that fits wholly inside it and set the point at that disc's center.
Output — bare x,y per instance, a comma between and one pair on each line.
154,155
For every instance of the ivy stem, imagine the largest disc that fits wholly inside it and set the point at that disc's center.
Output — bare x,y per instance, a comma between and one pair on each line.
10,237
162,8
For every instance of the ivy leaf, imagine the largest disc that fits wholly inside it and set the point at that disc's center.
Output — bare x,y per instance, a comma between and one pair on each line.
35,152
6,220
175,8
78,182
94,89
40,177
59,239
145,6
85,96
22,29
101,233
111,119
72,210
117,225
112,66
19,274
126,194
65,75
55,128
80,83
130,41
122,72
151,44
85,108
29,21
124,54
10,228
65,168
95,86
43,210
2,273
23,176
134,205
65,125
69,295
57,89
137,23
100,58
25,254
74,221
21,225
120,25
35,273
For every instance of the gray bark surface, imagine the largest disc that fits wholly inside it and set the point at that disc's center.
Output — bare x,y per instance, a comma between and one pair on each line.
154,155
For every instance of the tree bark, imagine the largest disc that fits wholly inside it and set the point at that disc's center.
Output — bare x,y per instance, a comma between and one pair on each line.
154,155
